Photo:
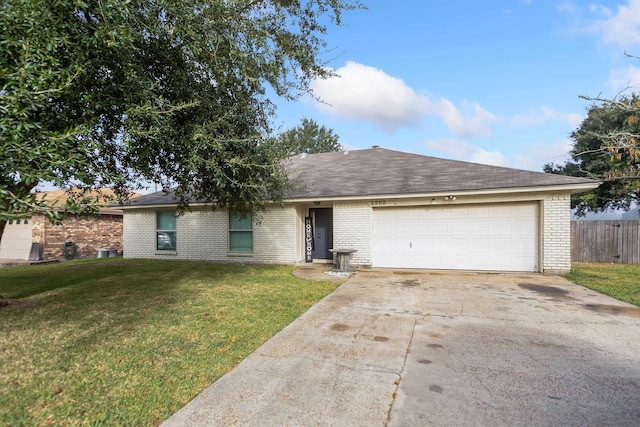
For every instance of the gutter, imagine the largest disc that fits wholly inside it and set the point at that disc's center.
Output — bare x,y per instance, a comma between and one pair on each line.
573,188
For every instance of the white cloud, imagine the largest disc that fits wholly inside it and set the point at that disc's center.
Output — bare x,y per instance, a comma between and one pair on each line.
544,114
462,150
621,27
533,157
362,92
367,93
537,155
475,122
624,78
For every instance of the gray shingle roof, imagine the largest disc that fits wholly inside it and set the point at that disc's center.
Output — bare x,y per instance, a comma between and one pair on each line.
378,172
153,199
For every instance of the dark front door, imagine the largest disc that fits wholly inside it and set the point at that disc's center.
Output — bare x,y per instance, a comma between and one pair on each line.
322,232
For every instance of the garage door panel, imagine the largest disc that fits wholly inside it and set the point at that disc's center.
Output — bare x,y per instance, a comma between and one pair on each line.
435,213
402,228
437,225
439,244
382,228
479,229
421,244
495,237
460,246
502,263
401,244
480,245
499,245
421,227
521,228
458,226
520,212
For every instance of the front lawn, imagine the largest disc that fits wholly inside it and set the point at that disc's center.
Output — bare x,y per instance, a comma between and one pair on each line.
620,281
129,342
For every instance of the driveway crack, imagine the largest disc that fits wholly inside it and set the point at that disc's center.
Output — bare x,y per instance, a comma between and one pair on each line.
404,364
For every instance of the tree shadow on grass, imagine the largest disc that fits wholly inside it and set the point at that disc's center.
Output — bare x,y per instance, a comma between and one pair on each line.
113,291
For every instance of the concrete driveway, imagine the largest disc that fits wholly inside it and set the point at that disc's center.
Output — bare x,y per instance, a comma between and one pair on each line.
417,349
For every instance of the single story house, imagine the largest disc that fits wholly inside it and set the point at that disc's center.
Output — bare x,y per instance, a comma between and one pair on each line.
35,237
395,209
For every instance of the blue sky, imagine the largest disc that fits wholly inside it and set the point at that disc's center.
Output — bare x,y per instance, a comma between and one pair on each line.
494,81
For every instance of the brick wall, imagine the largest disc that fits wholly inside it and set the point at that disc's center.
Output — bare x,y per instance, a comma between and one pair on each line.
556,238
352,225
203,234
89,233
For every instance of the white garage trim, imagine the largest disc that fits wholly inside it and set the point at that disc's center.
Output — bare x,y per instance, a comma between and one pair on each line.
489,237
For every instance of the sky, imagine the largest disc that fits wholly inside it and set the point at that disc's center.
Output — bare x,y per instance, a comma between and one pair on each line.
494,81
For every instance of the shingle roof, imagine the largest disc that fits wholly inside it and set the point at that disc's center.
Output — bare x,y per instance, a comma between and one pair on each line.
153,199
378,172
59,197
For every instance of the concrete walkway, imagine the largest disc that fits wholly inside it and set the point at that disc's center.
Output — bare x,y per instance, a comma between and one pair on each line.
417,349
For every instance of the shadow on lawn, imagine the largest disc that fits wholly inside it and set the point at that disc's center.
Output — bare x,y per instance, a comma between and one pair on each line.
95,290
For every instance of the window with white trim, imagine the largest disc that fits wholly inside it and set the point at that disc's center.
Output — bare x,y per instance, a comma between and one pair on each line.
240,233
166,230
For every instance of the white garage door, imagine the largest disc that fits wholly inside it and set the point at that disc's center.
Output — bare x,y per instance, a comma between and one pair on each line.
499,237
16,240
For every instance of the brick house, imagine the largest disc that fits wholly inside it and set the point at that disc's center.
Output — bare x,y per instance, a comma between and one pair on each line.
35,237
395,209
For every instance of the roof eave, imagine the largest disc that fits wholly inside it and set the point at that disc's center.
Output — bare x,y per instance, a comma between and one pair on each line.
161,205
572,188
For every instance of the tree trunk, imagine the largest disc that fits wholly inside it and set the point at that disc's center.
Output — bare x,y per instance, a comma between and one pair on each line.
3,222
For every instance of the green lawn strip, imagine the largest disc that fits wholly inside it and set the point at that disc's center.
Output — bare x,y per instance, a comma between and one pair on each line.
620,281
129,342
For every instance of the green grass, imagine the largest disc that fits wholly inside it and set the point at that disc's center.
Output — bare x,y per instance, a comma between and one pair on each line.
620,281
129,342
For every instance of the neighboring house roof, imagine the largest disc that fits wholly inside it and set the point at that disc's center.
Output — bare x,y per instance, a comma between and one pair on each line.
58,198
381,172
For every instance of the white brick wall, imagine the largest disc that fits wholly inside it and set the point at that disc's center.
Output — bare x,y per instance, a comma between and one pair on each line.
352,225
556,236
204,235
139,231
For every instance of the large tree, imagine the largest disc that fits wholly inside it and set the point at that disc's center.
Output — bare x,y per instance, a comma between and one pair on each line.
606,147
308,137
111,93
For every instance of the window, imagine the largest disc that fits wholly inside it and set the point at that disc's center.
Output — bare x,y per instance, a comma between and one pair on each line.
240,233
166,230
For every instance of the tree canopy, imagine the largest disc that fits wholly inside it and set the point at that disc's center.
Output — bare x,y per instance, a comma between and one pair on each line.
606,146
308,137
110,93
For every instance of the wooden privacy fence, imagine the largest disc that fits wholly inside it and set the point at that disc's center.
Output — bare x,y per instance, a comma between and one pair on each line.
606,241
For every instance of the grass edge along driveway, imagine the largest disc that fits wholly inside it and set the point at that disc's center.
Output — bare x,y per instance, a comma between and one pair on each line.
129,342
620,281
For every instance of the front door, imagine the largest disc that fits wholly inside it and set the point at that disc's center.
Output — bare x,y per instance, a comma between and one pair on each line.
322,232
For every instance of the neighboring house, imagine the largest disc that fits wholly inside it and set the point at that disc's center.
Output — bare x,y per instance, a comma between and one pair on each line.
35,237
396,209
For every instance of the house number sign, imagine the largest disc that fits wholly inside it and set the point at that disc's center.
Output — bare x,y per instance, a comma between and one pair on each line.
378,202
308,239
